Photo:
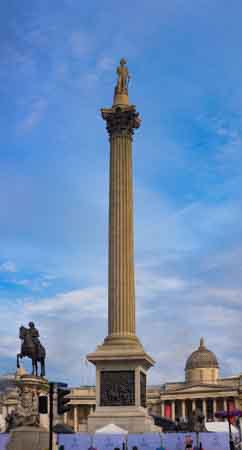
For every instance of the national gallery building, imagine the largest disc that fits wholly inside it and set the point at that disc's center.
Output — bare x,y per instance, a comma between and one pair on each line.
202,388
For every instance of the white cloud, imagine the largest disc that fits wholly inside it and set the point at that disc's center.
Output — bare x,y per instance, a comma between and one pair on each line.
24,282
89,301
172,315
37,109
8,266
152,281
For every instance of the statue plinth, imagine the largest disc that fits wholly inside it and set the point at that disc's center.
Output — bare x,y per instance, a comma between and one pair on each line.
120,99
28,438
26,412
38,386
28,428
121,362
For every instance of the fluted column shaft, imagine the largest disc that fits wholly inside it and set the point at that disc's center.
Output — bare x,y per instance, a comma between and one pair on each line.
121,293
121,122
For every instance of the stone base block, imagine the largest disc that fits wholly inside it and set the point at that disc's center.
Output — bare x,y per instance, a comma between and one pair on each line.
132,419
28,438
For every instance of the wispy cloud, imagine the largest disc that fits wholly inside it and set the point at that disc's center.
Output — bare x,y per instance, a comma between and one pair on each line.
8,266
35,115
90,301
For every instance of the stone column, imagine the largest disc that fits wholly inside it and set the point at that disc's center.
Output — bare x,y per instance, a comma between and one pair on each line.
225,404
162,408
121,360
193,405
121,291
204,408
75,419
4,411
173,409
65,417
183,406
214,408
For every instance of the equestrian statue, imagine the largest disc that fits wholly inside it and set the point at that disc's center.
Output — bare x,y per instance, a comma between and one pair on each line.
32,348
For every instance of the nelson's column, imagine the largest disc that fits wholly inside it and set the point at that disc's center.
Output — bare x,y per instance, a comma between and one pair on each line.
121,362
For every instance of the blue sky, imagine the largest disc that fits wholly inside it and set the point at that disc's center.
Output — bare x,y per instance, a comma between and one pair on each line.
57,70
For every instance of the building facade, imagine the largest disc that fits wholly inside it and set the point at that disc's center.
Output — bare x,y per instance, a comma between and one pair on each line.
202,389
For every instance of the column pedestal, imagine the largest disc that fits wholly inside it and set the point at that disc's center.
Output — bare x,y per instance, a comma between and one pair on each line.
121,394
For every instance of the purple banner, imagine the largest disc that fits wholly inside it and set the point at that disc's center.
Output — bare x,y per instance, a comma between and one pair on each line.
4,437
145,441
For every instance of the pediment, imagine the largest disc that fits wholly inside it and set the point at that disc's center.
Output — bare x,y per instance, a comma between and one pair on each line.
201,387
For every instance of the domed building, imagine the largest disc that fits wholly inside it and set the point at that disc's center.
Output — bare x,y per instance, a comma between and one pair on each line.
202,366
202,389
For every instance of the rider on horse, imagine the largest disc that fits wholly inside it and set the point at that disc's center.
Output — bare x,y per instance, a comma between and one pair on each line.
32,348
34,333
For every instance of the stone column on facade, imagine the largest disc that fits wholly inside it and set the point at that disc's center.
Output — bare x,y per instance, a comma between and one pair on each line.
173,409
75,419
204,403
193,405
65,418
4,415
214,408
162,408
183,409
225,404
4,411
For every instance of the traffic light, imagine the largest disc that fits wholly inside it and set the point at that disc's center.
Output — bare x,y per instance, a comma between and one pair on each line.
43,404
62,401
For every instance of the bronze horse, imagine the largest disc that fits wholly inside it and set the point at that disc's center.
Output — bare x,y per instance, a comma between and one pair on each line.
31,350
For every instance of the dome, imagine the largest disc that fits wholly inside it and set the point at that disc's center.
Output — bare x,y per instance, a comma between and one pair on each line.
202,358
